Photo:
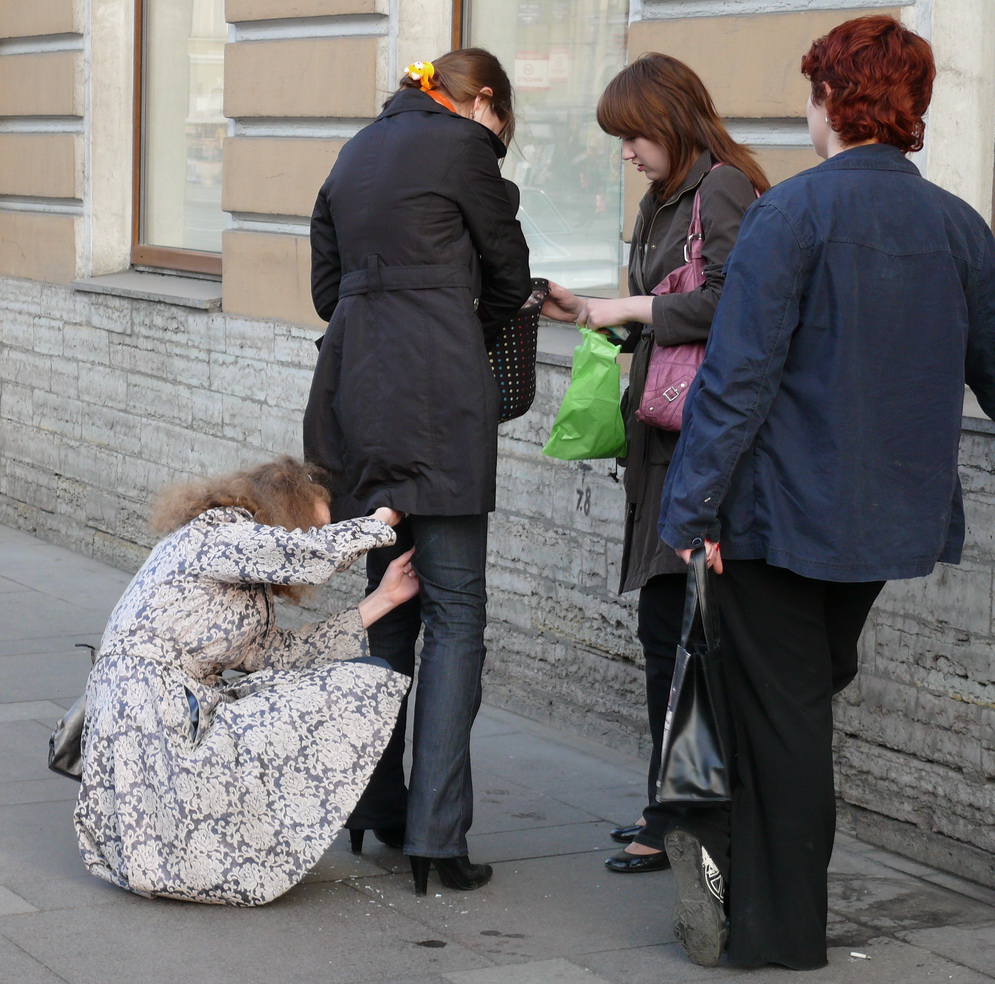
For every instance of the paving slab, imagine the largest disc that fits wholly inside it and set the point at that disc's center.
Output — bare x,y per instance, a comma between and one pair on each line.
18,967
544,802
541,908
48,790
24,746
970,946
541,972
58,676
314,933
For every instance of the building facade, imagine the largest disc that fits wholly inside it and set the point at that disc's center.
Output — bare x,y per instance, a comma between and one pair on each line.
160,160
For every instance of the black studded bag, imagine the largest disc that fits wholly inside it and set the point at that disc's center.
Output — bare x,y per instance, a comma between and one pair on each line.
513,355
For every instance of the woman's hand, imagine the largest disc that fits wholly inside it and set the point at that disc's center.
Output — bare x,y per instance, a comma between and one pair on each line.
604,312
713,556
399,584
562,305
387,515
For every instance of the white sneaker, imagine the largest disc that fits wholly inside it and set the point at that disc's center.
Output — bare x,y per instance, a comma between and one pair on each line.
700,923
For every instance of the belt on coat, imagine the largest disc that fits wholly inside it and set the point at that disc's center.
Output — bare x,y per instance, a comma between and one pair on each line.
378,277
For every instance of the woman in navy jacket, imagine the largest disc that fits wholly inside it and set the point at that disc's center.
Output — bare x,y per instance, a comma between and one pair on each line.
416,257
820,448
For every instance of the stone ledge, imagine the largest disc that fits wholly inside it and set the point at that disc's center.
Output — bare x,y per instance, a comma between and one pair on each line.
925,846
557,342
184,291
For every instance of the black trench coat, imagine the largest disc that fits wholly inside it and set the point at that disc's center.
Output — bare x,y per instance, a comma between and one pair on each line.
412,228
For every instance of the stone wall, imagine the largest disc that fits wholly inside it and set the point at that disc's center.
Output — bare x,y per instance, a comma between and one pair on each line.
916,730
106,399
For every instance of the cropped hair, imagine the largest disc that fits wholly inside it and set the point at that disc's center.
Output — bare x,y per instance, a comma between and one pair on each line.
659,98
461,74
880,80
279,493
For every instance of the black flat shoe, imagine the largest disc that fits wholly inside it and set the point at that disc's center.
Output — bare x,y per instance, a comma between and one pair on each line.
630,864
625,835
456,873
391,836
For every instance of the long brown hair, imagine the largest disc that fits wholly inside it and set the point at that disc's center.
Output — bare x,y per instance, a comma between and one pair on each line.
461,74
661,99
283,493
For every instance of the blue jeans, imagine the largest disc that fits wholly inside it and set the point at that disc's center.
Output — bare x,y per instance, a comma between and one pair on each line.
450,555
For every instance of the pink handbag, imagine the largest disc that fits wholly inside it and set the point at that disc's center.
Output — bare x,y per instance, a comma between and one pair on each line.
672,367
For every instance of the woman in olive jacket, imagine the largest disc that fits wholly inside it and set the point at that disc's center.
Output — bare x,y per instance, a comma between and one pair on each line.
671,134
416,258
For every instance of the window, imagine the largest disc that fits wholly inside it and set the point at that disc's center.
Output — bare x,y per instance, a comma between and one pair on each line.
560,55
180,129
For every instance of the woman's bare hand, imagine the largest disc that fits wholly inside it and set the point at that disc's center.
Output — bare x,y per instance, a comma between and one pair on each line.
399,584
607,312
713,556
562,305
387,515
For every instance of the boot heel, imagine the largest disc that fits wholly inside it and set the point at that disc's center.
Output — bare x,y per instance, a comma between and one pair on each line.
419,871
356,840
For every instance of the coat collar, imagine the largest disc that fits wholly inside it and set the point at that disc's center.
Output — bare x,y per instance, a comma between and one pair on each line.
873,157
699,169
415,101
695,176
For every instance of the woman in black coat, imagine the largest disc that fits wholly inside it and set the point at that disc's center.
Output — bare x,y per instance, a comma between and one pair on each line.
417,258
672,135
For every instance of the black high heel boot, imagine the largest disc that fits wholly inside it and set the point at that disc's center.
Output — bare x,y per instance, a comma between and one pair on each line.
391,836
458,873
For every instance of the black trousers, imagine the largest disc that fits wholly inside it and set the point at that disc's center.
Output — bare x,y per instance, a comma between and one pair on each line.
660,614
788,644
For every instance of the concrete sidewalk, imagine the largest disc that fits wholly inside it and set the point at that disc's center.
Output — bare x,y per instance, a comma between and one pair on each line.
545,799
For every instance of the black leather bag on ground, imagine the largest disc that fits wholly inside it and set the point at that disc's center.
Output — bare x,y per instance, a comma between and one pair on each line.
513,355
65,747
693,766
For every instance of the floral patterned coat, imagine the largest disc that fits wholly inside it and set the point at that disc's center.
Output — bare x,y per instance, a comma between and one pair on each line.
214,790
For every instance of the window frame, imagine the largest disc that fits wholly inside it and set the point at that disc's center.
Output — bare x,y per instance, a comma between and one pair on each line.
160,258
461,20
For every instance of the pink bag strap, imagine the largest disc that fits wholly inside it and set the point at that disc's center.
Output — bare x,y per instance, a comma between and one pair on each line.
693,243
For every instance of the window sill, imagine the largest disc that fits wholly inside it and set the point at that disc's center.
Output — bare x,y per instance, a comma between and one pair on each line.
975,419
557,342
183,291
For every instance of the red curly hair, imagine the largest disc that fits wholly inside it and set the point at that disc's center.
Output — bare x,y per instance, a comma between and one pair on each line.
879,77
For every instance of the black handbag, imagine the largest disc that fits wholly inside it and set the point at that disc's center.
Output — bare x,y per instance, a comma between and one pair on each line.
65,746
513,355
693,765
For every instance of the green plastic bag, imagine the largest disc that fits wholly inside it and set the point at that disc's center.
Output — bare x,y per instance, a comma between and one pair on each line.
589,424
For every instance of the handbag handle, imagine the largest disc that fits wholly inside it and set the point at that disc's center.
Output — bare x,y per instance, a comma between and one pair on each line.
698,606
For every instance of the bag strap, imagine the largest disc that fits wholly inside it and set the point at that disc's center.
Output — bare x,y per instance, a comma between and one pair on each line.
693,243
699,607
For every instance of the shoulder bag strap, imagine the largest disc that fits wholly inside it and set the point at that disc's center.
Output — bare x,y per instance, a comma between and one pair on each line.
692,247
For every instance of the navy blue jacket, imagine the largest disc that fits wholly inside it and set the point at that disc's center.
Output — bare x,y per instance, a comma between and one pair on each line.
822,431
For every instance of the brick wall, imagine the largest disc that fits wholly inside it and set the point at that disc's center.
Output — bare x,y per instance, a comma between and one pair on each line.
104,400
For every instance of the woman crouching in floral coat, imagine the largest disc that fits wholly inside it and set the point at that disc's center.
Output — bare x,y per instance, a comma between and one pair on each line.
221,790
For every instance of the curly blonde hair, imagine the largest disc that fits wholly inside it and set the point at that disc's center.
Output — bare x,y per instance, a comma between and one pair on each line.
283,493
